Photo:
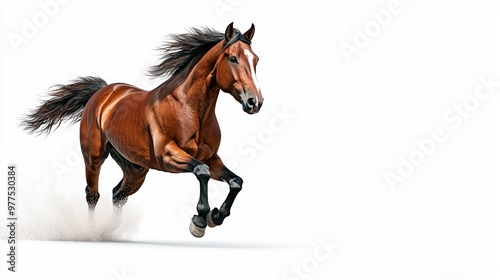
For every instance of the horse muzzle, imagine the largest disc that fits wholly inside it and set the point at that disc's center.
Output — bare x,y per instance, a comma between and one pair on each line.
252,105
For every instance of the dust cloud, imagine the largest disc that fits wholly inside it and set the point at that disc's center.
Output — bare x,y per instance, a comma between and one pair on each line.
49,211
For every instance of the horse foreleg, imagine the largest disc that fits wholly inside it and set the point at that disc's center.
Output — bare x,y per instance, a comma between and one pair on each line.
179,160
221,173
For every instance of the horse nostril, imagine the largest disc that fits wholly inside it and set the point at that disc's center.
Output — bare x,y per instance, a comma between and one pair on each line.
251,101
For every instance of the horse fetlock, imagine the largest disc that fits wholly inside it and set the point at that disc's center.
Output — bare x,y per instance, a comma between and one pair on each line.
91,198
236,184
215,218
202,209
224,210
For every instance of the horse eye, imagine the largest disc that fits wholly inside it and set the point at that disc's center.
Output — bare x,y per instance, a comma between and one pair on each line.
233,59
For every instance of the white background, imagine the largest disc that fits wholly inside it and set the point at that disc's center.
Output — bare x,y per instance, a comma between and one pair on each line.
318,174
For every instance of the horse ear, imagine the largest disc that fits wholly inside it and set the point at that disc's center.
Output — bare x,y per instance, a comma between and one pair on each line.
250,32
229,32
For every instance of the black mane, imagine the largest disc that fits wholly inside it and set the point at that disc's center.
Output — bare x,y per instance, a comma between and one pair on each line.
183,50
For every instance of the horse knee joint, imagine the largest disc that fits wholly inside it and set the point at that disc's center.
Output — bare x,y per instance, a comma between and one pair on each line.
202,171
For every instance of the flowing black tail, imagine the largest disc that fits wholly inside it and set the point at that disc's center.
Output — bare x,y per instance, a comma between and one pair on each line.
66,103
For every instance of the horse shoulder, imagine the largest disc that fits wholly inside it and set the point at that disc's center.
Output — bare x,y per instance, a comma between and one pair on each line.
209,140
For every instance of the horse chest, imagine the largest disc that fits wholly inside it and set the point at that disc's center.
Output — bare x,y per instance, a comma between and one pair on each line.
200,148
204,141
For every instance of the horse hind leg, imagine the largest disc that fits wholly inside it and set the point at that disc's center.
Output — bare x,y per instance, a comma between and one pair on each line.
133,178
130,183
94,158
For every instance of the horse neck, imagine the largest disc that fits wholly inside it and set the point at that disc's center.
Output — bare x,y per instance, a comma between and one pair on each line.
196,92
199,91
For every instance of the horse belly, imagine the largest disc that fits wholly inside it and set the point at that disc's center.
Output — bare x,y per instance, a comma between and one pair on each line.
131,141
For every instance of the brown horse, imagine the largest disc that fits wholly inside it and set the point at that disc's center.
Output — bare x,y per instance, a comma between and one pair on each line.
171,128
